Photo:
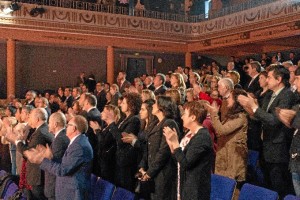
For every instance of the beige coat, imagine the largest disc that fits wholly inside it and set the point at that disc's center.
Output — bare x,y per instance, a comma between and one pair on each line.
231,157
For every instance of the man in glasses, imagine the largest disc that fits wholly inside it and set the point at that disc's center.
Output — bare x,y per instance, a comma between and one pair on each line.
74,171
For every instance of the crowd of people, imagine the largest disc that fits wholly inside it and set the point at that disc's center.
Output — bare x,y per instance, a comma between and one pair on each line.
162,135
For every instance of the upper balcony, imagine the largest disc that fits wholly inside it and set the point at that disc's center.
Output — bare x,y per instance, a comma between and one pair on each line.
254,27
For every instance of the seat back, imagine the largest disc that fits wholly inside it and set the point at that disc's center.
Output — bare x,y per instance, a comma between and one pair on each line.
11,190
252,192
222,188
253,158
121,193
291,197
103,190
94,179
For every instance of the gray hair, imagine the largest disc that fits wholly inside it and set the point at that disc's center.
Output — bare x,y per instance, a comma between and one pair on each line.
227,82
59,118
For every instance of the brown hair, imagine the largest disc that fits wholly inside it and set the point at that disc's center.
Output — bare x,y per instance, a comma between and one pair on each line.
196,109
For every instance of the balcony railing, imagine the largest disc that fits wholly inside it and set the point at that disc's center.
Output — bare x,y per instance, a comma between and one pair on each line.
153,14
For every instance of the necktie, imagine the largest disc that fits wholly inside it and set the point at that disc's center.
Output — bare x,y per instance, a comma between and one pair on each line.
271,100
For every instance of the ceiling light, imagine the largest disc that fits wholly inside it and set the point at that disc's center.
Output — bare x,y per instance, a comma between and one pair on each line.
36,11
13,7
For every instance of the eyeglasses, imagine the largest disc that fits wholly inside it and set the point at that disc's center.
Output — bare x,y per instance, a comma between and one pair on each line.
72,125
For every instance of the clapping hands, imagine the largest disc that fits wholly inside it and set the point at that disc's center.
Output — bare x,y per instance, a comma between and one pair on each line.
37,155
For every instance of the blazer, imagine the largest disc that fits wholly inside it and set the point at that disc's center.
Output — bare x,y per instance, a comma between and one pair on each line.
101,99
161,90
126,155
115,98
159,164
93,115
69,101
106,152
34,175
123,86
195,166
254,86
73,173
58,147
276,136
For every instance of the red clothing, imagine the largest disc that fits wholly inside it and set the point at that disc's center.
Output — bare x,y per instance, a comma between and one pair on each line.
205,96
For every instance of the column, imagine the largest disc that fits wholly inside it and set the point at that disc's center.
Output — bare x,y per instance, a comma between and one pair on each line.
11,67
188,59
110,65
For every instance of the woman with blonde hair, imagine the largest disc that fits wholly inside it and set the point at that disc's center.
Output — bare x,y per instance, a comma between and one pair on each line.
235,77
177,82
107,143
147,94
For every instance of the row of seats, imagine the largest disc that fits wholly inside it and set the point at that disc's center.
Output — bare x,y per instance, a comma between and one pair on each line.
104,190
222,188
7,186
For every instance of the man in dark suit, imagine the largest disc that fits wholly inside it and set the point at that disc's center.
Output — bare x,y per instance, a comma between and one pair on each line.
254,127
148,82
92,114
253,69
114,90
159,84
76,91
29,98
276,136
57,124
69,98
123,82
100,94
41,136
73,173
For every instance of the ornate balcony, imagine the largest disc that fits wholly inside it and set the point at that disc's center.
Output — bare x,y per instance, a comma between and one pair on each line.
61,24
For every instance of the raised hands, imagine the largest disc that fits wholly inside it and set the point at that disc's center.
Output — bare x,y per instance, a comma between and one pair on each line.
171,138
285,116
37,155
128,137
94,125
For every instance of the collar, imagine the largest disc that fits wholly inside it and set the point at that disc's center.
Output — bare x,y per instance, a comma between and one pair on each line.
72,140
158,87
254,77
278,91
56,134
91,109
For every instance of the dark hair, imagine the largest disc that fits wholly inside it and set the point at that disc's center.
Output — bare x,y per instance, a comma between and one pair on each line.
236,109
281,71
196,109
91,99
12,110
134,102
149,106
166,106
162,77
264,73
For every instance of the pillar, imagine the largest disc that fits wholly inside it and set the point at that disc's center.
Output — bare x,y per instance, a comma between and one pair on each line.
188,59
110,65
11,67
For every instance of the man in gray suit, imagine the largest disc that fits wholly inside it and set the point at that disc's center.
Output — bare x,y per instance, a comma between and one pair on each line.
57,124
41,136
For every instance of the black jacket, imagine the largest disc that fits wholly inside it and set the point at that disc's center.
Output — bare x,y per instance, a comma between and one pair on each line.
276,136
34,174
196,166
159,164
